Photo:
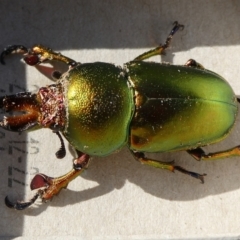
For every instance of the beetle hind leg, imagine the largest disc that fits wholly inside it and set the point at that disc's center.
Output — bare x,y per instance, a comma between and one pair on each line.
199,154
139,156
193,63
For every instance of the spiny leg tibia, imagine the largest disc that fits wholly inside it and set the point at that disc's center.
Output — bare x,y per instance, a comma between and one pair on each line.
51,186
139,156
36,55
199,154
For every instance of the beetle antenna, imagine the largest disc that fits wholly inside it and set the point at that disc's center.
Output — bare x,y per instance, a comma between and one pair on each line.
61,153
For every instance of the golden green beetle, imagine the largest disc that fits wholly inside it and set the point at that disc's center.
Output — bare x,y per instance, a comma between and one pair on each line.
99,107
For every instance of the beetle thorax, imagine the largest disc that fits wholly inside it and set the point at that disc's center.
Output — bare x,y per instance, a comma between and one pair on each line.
52,109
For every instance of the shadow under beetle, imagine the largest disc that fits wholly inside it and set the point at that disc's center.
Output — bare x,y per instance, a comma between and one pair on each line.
99,107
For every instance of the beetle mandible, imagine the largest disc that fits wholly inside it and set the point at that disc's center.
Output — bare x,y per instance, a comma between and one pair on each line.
99,107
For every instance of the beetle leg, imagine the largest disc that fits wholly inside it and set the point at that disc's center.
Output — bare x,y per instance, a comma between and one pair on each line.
21,205
36,55
193,63
12,50
199,154
45,54
51,186
161,48
163,165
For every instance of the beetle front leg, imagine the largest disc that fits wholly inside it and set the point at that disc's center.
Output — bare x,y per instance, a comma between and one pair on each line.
19,205
47,54
36,55
167,166
13,49
161,48
51,186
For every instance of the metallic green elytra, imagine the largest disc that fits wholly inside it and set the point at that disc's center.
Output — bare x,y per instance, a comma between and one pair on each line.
146,106
178,107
